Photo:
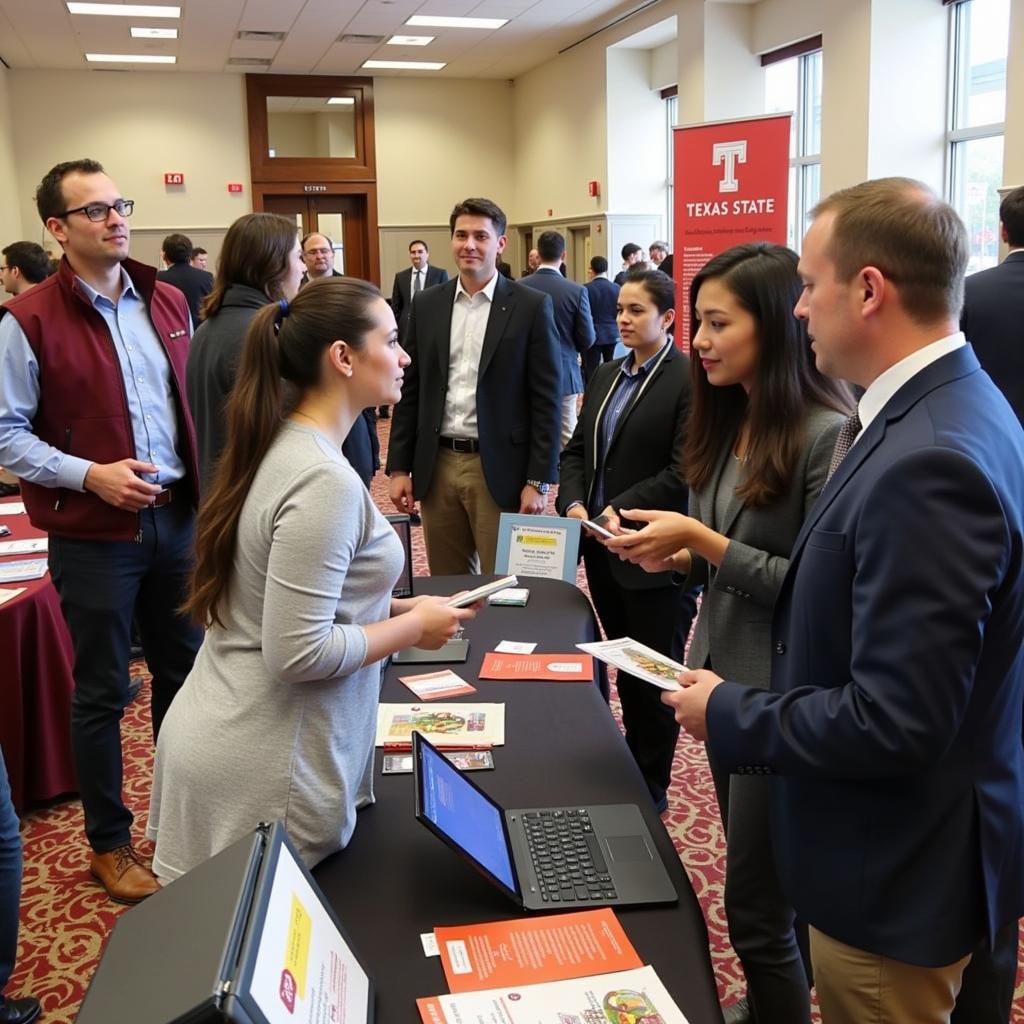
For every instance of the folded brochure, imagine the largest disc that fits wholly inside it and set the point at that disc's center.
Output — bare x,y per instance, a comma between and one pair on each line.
556,667
638,660
23,569
442,724
623,997
528,950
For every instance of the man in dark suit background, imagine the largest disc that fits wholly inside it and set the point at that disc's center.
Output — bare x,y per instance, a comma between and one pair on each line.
412,281
476,431
993,314
631,255
604,297
893,724
572,322
195,285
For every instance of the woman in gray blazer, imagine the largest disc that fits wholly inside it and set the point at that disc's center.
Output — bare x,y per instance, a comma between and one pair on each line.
762,427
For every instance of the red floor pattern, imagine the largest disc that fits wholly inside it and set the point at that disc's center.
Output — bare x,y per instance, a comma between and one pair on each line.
65,917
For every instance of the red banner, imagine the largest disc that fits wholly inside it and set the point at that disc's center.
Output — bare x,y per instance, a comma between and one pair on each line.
731,187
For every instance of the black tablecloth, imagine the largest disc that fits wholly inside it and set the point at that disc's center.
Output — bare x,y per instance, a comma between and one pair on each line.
562,746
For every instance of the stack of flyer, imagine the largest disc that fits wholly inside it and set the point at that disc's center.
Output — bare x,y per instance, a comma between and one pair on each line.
575,968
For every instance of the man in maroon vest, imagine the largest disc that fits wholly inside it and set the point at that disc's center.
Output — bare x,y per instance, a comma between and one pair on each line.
94,420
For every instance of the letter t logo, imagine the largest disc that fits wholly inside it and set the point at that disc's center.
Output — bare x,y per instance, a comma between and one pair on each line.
729,153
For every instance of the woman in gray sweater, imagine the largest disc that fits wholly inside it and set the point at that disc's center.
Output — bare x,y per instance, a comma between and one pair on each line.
293,577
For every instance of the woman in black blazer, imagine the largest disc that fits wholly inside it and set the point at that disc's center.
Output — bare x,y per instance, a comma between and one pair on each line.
626,452
758,446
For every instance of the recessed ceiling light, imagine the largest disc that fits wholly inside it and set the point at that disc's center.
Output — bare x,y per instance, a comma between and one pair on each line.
125,10
405,65
343,101
437,21
410,40
250,62
154,33
129,58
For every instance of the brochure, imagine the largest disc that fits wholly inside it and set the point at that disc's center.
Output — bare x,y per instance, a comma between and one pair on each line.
23,569
534,949
561,668
625,997
10,595
12,508
23,547
638,660
445,725
434,685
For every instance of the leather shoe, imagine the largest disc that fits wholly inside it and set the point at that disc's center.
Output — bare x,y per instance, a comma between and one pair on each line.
738,1013
123,875
18,1011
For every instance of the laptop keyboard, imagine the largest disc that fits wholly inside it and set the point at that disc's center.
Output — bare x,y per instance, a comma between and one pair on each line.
567,857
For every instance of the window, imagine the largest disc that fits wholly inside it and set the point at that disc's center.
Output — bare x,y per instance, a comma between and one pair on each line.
794,84
979,40
671,113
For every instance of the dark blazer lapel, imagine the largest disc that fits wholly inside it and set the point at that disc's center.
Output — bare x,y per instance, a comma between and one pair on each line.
502,305
646,386
441,321
594,429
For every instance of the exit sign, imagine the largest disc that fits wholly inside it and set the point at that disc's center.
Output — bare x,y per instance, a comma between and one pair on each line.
174,178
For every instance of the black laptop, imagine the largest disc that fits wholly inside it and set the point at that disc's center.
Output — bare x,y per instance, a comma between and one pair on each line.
543,858
402,525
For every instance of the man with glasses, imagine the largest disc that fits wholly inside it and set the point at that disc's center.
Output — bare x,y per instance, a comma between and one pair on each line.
94,420
24,265
318,255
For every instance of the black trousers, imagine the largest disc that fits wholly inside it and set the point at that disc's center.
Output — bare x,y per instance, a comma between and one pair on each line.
986,995
659,617
101,584
594,357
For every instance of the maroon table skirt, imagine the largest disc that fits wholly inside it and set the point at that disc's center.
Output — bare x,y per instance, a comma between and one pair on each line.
35,693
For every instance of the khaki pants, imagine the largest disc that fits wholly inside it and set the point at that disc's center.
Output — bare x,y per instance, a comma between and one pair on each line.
856,987
460,518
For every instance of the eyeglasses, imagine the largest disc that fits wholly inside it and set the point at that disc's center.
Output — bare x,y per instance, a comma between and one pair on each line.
318,252
101,211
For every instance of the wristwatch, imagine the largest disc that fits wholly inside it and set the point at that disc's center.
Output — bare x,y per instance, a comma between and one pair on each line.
538,485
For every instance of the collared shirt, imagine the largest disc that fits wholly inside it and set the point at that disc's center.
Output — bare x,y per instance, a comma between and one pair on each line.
146,373
626,387
470,314
886,384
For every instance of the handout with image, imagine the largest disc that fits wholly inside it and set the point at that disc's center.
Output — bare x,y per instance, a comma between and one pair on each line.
638,660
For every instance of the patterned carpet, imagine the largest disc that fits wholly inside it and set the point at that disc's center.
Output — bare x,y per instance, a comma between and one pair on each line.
65,917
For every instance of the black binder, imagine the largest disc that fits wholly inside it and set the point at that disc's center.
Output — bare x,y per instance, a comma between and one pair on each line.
190,953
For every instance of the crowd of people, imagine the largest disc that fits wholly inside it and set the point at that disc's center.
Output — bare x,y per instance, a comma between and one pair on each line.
855,566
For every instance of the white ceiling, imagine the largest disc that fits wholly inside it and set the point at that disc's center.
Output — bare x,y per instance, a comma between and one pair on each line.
42,34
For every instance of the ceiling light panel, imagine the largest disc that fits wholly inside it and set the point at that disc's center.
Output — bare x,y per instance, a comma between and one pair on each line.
437,21
125,10
153,33
129,58
342,101
403,65
410,40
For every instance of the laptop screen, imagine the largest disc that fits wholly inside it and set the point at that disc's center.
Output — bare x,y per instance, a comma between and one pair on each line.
462,814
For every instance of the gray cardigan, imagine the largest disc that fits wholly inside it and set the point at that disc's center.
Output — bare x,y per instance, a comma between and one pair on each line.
734,625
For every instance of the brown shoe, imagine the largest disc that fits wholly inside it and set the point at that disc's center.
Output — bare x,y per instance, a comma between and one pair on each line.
124,876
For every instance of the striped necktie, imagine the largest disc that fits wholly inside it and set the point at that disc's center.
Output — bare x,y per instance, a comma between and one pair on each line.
844,442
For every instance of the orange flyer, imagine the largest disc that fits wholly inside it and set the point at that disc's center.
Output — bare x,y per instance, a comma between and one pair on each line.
528,950
567,668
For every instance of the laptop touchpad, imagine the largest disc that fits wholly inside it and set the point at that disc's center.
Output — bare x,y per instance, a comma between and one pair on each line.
628,849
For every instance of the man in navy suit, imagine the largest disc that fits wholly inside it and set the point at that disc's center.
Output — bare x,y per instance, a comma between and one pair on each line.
604,298
993,314
572,322
893,723
412,281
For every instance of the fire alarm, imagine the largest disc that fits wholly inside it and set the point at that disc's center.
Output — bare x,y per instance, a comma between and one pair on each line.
174,178
593,188
234,186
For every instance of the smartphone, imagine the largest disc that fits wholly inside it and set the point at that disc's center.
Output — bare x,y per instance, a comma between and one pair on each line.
472,596
598,529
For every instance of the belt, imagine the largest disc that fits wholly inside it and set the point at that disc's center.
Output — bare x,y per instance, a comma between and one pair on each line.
466,445
173,493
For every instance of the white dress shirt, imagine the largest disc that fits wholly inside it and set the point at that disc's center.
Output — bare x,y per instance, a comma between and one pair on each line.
470,314
886,384
423,279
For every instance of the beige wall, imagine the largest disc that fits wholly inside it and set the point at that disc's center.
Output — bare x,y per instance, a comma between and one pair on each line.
439,141
1013,154
11,229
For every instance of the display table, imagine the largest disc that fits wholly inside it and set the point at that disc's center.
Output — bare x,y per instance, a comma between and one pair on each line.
35,697
562,746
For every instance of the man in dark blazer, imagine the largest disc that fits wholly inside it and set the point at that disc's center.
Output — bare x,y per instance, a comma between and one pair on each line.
412,280
631,255
993,313
572,322
318,255
476,431
604,298
893,723
194,284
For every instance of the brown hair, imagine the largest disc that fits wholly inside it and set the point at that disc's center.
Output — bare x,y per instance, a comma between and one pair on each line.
764,281
284,343
256,252
902,228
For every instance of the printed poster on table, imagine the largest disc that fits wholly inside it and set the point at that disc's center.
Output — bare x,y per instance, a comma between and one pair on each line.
731,187
544,546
